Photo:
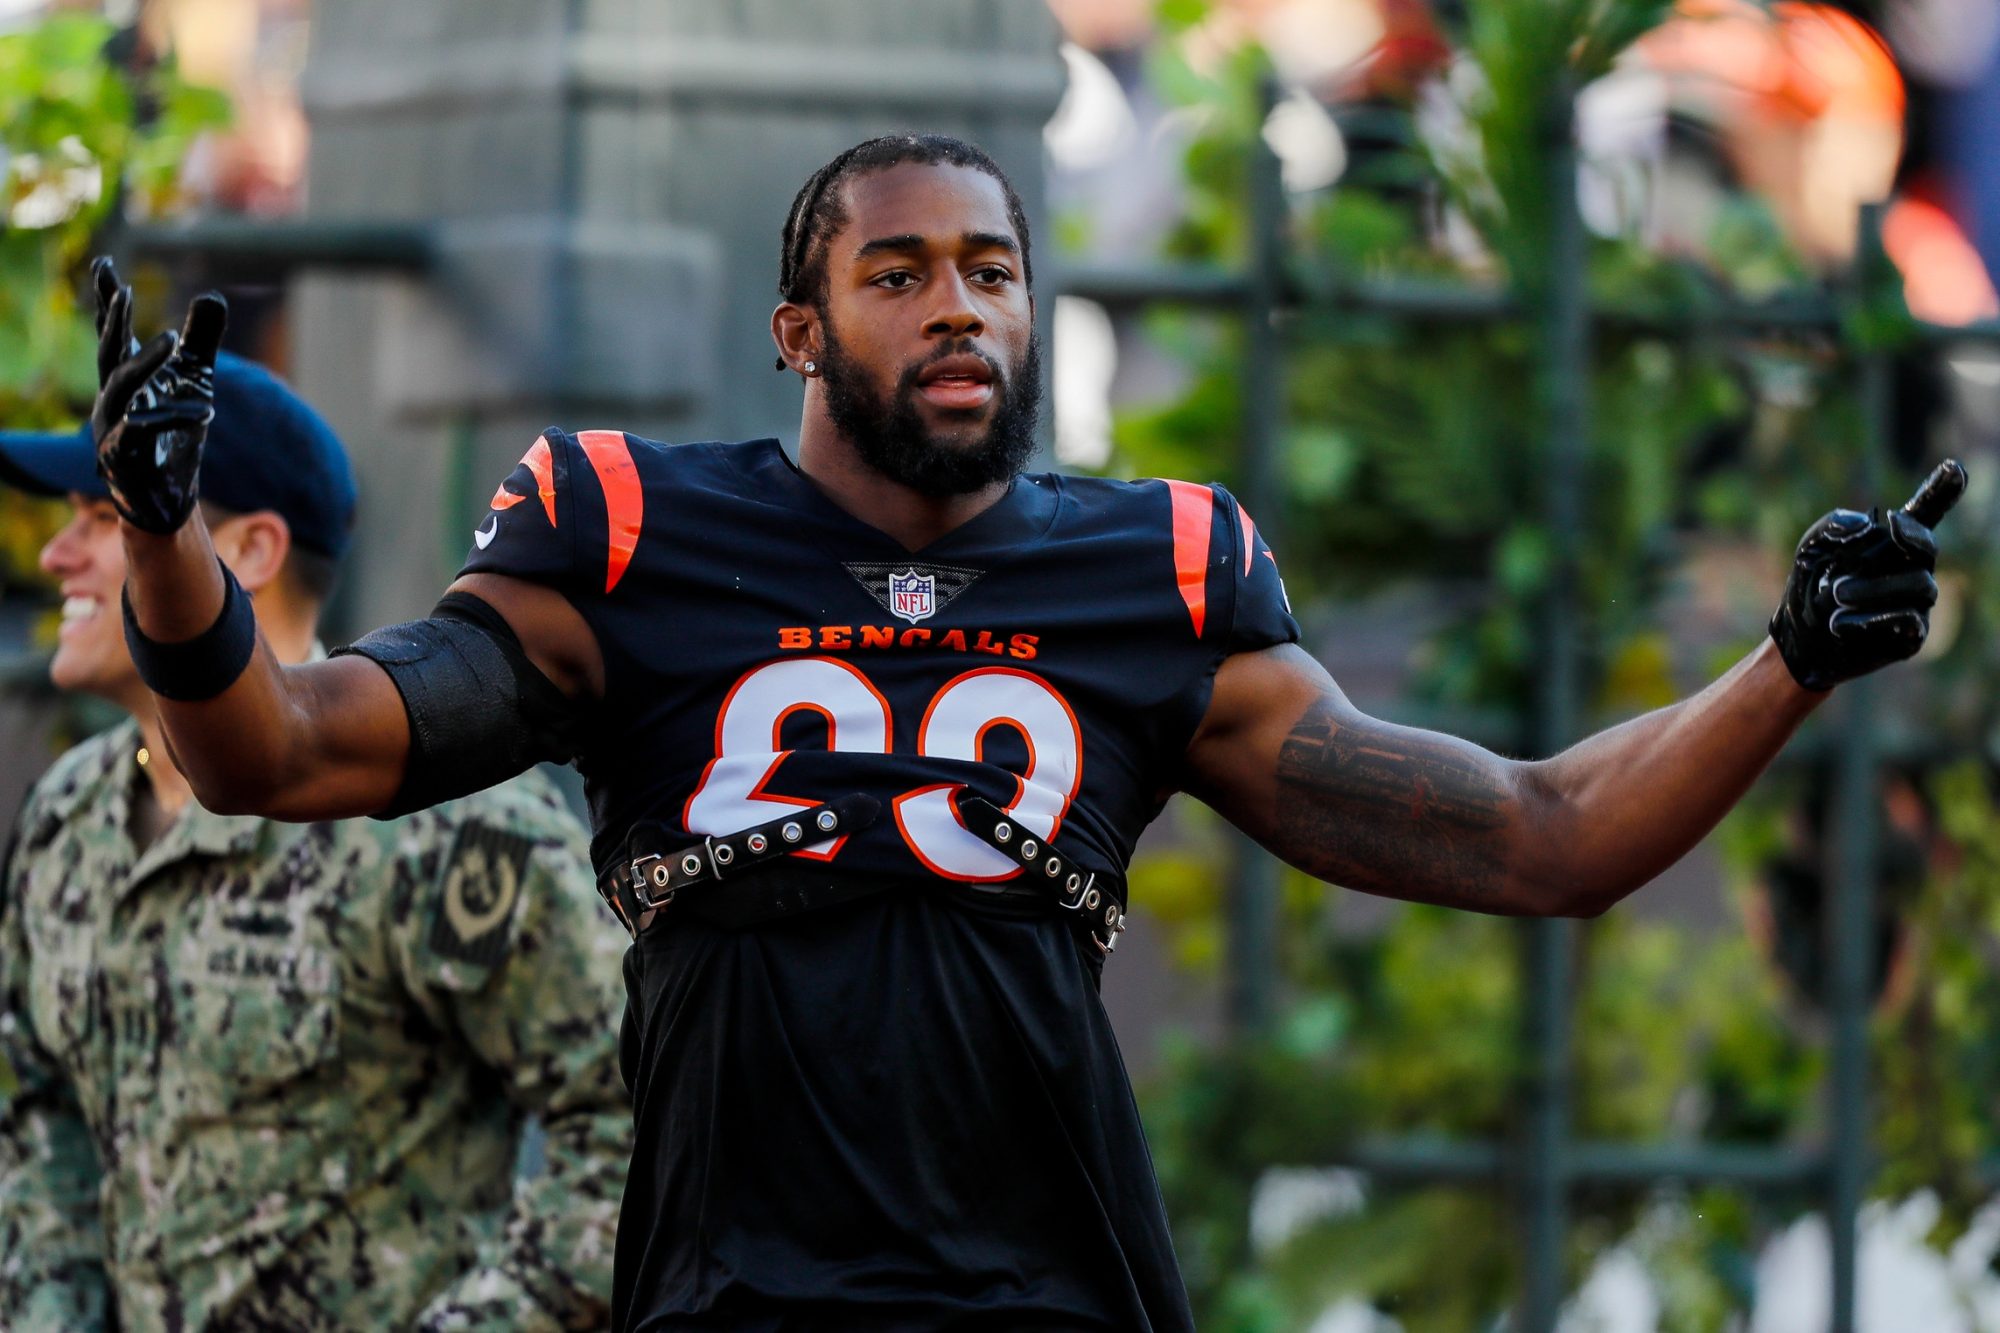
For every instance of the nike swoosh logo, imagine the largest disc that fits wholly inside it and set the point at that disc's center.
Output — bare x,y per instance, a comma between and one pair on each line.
484,536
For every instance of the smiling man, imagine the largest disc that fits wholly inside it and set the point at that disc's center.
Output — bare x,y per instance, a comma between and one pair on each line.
275,1076
870,739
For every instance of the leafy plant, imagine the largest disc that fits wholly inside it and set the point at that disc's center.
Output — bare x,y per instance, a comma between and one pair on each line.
1411,1032
1415,450
80,136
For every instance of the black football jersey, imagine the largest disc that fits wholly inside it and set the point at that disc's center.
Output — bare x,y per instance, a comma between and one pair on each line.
908,1111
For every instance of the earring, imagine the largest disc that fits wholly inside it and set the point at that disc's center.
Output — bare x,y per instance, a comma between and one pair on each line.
811,367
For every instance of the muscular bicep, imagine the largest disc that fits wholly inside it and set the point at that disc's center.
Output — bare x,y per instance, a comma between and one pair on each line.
1353,800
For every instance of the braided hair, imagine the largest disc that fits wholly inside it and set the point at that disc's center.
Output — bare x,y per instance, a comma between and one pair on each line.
818,212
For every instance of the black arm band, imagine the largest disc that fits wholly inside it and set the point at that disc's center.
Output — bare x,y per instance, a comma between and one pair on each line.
480,711
204,666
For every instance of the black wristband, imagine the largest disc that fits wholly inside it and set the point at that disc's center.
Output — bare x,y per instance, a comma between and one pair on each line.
204,666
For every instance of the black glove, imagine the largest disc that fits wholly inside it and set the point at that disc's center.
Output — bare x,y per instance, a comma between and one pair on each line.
1860,593
154,403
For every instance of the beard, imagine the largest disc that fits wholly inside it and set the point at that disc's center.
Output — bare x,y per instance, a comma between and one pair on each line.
891,437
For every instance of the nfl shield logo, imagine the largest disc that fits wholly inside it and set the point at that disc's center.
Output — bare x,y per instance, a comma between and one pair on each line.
912,596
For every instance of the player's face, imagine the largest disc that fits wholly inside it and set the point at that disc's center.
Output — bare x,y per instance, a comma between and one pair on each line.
931,365
86,557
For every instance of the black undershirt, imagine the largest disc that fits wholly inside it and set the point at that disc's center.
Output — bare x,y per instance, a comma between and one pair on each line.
905,1113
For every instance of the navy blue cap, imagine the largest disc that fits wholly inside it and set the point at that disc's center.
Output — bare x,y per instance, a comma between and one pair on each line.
266,450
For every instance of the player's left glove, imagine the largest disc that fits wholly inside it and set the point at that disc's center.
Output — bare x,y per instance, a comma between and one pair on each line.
154,403
1861,588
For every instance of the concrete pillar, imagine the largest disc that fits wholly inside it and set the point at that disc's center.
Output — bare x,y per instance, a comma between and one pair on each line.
609,178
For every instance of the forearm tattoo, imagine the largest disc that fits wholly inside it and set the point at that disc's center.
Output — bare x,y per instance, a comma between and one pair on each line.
1396,813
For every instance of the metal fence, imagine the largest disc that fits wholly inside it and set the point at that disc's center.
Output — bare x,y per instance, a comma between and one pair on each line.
1544,1160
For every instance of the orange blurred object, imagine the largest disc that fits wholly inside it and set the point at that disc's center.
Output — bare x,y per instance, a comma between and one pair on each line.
1795,61
1944,280
1411,50
1833,62
1806,100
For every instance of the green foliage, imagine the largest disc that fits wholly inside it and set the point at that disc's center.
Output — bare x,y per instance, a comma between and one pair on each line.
1529,54
74,144
1411,1032
1418,450
1390,1255
1938,1042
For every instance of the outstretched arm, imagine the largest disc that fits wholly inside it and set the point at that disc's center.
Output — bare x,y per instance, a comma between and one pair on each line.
1413,814
324,740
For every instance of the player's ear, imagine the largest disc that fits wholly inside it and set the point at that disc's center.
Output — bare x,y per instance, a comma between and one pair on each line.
795,329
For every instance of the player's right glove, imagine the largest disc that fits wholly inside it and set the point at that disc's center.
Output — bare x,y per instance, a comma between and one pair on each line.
1861,588
154,403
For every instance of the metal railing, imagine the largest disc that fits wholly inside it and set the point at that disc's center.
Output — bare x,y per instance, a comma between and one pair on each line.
1544,1162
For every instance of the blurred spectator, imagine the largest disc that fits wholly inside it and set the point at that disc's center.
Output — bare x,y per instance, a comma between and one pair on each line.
275,1075
255,50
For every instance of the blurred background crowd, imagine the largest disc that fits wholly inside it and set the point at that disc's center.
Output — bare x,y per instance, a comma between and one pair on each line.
1534,330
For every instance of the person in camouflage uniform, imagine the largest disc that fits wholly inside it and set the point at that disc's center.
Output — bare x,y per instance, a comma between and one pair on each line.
274,1076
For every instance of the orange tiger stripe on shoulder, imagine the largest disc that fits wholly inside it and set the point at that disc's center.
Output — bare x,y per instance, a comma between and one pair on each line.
624,499
541,467
538,463
1194,507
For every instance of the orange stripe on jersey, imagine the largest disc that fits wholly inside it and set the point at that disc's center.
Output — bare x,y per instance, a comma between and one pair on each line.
1249,538
1193,509
537,461
504,499
624,500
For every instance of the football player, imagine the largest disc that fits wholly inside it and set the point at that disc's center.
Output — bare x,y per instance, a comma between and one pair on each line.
869,738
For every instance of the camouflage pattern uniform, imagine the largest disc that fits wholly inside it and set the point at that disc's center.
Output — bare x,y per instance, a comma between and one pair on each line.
272,1076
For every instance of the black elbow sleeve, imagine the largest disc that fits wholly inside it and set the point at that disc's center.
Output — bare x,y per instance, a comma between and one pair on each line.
480,712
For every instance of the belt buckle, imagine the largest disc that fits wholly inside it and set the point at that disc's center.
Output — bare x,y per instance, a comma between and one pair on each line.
1107,939
650,872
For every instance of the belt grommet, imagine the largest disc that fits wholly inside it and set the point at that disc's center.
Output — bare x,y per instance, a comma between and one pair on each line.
756,842
1030,850
791,832
724,853
690,864
1073,883
1092,899
826,819
662,876
1003,832
1111,916
1052,867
